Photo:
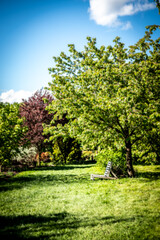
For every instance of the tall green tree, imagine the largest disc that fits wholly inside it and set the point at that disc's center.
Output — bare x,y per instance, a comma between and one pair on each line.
110,94
11,132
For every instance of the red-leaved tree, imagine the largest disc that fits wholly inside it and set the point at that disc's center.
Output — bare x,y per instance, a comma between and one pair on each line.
34,113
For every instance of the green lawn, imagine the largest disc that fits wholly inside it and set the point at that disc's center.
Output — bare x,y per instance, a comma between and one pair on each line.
63,203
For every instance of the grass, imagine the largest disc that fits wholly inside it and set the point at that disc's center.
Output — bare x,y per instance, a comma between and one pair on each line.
63,203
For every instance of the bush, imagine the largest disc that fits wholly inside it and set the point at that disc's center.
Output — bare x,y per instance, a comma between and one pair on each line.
144,158
116,156
25,157
88,156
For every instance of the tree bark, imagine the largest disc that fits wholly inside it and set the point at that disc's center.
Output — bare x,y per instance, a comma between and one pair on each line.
158,157
63,151
39,148
129,164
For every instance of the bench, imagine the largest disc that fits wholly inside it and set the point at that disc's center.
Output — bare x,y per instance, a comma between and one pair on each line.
106,174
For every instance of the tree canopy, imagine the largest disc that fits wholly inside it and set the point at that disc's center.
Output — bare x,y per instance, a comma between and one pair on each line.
110,94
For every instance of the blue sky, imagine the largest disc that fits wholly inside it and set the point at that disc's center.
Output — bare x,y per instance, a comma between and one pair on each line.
33,31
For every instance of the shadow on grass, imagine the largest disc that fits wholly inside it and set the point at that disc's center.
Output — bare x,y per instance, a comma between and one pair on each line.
150,176
52,178
63,167
41,179
44,227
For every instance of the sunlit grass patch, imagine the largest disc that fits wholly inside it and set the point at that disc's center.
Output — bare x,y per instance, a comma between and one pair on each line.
63,203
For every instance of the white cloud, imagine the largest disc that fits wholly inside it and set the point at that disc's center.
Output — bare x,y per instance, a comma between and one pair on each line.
127,26
11,96
108,12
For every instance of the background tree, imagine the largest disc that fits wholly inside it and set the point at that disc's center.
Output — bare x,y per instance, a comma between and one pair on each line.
64,148
11,132
158,5
110,94
34,112
66,151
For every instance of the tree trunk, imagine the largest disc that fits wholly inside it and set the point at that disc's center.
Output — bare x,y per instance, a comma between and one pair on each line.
62,148
157,158
130,169
38,160
39,148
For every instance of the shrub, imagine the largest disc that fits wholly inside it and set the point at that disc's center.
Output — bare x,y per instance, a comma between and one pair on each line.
88,156
144,158
116,156
26,156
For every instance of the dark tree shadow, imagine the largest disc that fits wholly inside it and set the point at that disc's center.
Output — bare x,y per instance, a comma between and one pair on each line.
41,179
25,227
62,167
9,182
150,176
